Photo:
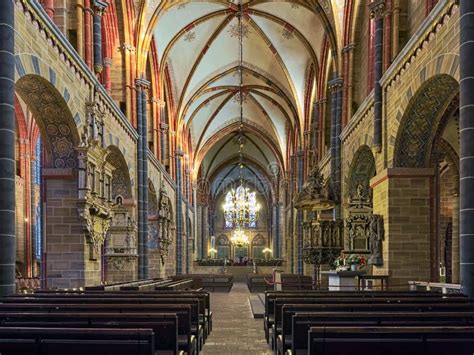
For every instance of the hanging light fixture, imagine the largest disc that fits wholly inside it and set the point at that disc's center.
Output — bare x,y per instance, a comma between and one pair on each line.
242,207
239,238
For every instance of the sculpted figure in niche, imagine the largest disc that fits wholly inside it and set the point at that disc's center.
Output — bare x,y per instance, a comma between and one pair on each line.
376,239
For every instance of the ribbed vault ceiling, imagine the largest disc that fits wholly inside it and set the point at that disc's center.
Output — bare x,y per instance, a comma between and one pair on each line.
198,46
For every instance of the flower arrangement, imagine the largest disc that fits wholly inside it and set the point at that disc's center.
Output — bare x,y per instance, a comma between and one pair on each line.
355,259
352,261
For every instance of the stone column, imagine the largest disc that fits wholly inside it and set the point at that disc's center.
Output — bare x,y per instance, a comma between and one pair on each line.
99,8
313,145
299,213
336,86
348,53
466,130
179,212
142,172
377,9
106,75
455,240
49,8
276,230
7,148
395,28
88,33
187,205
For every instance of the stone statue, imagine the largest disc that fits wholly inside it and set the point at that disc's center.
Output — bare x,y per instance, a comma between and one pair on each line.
376,237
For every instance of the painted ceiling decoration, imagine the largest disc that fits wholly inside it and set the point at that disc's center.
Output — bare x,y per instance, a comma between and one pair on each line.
198,44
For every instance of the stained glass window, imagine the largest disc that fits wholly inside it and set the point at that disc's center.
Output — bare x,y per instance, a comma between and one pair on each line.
252,210
227,214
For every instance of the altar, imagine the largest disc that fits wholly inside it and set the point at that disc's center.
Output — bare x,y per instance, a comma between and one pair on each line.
343,280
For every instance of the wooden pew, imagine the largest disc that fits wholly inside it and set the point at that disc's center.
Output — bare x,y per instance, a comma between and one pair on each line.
197,309
257,283
164,325
289,310
203,296
391,340
73,341
297,340
210,282
188,340
275,326
270,297
296,282
186,284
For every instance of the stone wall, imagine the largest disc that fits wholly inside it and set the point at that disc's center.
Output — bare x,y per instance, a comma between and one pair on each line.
65,245
402,196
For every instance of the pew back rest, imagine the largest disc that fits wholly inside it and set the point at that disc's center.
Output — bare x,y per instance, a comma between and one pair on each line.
54,341
302,322
392,340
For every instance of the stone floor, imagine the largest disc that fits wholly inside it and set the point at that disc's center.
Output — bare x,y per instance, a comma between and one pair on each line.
235,331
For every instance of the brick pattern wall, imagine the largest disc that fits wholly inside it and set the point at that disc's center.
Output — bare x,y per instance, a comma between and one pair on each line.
403,197
65,244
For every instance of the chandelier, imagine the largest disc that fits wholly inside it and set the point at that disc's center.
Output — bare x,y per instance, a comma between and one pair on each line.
239,238
241,207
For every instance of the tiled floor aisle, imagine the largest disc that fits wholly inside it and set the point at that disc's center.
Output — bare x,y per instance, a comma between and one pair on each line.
235,332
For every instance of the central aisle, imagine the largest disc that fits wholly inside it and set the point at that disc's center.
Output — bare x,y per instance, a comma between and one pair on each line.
234,330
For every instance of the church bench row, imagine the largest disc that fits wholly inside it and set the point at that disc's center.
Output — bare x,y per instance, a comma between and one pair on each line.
259,282
203,296
185,312
273,303
295,336
200,315
391,340
120,303
118,285
280,302
288,310
163,325
76,341
167,285
210,282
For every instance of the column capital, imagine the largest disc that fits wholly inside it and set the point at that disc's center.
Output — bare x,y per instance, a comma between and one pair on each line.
107,61
126,47
377,9
99,7
160,103
348,48
336,84
142,84
179,153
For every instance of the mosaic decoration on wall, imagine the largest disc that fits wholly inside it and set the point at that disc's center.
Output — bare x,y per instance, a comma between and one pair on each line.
54,119
421,119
